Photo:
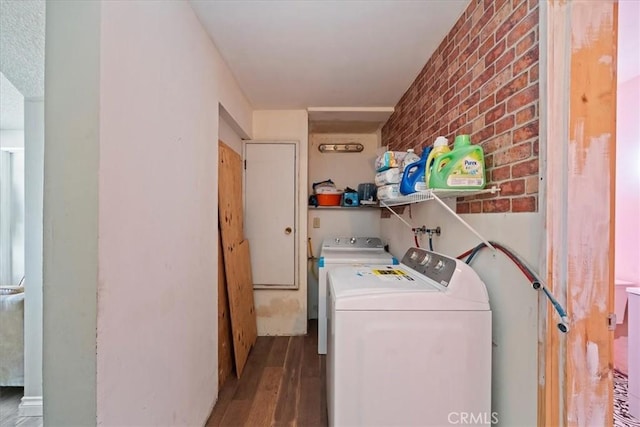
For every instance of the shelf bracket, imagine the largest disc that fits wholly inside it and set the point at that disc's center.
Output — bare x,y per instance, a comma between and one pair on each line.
463,222
422,196
411,227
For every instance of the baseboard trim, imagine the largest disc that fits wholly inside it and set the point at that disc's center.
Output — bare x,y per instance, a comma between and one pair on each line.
30,406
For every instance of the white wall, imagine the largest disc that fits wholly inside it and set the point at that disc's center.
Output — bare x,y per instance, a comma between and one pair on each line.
34,181
345,170
627,225
70,259
228,135
11,139
284,312
158,81
513,302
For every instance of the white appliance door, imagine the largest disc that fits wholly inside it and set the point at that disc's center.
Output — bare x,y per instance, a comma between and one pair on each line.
409,368
270,211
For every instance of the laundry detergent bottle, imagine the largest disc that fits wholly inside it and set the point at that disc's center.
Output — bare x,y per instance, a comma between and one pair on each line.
413,177
440,146
462,168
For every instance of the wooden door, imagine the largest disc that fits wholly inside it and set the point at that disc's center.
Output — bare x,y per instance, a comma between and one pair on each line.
270,212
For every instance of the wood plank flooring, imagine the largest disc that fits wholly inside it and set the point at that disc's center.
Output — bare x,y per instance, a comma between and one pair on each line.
283,384
9,403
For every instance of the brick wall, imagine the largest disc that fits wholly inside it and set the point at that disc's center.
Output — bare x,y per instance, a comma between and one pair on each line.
482,80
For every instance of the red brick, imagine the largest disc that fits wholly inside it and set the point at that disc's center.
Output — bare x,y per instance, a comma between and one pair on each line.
523,204
526,60
487,103
477,124
505,124
457,123
462,31
456,93
497,143
501,173
500,16
526,43
531,184
536,147
526,114
473,99
496,205
472,60
494,114
455,77
533,4
472,113
462,207
486,46
483,78
512,188
523,27
510,23
474,11
498,81
475,206
512,155
515,85
525,132
486,133
471,47
464,92
463,81
526,168
522,98
494,53
505,60
488,161
464,130
533,73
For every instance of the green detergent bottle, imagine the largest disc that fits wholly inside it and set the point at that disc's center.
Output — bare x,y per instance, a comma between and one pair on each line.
460,169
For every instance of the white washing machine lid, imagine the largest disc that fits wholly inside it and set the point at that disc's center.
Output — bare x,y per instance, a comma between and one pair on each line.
398,288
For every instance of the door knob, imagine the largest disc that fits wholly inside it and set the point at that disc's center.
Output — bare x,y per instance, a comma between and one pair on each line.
287,230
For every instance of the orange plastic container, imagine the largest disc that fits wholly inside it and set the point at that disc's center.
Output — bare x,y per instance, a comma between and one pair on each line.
329,199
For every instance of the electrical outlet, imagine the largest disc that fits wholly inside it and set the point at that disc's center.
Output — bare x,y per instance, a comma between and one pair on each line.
316,222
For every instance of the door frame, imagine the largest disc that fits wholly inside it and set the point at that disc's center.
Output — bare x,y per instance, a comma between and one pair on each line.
578,100
296,213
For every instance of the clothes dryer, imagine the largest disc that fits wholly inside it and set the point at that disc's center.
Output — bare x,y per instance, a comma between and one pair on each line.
409,344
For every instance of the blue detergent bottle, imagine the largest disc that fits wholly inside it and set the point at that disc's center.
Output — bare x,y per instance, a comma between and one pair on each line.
413,177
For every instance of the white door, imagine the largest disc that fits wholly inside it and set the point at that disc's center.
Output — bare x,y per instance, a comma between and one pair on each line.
270,211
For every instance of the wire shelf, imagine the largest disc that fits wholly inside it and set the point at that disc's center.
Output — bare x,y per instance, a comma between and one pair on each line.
423,196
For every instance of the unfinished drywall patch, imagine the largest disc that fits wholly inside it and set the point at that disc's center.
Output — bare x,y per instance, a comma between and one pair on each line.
278,307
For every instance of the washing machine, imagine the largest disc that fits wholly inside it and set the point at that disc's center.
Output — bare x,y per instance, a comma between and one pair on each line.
409,344
338,251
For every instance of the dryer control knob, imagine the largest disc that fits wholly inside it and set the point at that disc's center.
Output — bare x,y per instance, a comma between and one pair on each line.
352,240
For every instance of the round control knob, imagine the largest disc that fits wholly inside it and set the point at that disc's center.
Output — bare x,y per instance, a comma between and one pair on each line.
352,240
337,240
440,265
426,260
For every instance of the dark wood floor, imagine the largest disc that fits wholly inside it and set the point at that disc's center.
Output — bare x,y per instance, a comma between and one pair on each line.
283,384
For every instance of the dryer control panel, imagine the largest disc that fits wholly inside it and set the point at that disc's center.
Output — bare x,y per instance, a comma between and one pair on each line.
437,267
352,243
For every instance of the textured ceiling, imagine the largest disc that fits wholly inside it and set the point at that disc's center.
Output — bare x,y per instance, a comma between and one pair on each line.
11,105
22,45
326,53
